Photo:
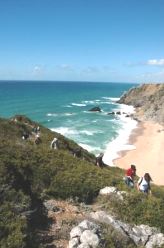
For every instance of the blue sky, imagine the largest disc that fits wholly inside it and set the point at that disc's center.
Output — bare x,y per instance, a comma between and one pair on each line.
85,40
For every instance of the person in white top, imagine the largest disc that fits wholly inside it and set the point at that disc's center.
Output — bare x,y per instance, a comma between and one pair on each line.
143,184
54,143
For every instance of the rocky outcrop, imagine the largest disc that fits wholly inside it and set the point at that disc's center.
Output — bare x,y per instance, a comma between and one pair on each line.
113,191
88,234
95,109
142,235
148,99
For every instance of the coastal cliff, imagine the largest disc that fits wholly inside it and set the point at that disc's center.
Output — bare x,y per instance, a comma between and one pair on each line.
148,100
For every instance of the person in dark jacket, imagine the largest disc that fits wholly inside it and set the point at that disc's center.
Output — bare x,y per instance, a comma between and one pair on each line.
99,160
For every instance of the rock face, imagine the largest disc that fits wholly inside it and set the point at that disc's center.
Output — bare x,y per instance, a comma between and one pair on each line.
142,235
89,235
148,99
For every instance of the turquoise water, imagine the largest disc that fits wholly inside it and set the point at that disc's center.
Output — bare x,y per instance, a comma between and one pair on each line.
63,107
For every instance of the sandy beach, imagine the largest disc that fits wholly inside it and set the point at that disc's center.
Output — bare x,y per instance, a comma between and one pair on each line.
148,138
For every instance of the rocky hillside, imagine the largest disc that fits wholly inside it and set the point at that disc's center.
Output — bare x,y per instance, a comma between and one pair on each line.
45,193
148,99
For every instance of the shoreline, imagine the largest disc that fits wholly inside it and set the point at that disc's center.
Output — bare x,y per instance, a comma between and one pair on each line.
136,132
148,156
121,142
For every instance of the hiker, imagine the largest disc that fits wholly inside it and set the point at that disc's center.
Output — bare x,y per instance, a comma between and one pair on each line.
37,139
143,184
99,161
25,136
130,174
55,144
77,152
36,129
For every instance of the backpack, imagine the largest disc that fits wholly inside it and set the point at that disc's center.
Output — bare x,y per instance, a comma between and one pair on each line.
140,181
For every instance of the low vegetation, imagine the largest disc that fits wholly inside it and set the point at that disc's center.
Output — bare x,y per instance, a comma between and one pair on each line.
31,173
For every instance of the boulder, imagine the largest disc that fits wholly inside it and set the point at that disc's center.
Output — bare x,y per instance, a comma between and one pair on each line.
88,225
73,243
76,232
89,238
156,240
113,191
108,190
111,113
85,235
95,109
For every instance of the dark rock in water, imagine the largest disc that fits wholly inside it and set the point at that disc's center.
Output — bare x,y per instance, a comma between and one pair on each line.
95,109
111,113
118,113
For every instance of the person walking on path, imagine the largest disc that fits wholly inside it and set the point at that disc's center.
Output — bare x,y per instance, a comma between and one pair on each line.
99,160
143,184
55,144
130,175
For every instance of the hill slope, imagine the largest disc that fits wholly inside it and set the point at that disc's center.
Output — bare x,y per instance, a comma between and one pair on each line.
32,173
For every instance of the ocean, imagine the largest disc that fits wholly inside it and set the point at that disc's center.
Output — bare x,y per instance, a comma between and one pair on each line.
64,107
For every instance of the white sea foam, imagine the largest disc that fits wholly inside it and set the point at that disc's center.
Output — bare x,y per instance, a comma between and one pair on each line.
52,114
89,133
68,114
79,104
69,131
106,102
89,101
64,131
88,147
68,106
111,98
121,142
60,114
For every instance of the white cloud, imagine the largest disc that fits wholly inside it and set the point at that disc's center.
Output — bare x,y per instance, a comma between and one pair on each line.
157,77
65,67
150,62
157,62
91,70
37,70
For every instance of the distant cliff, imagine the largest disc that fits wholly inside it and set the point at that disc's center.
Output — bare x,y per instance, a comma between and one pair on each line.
148,99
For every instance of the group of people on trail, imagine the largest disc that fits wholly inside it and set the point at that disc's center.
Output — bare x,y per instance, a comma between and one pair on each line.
143,184
34,135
